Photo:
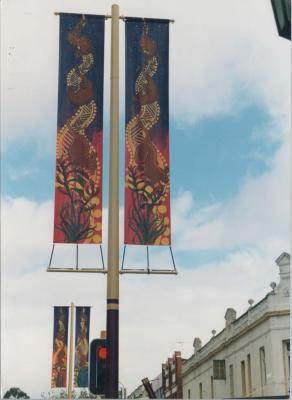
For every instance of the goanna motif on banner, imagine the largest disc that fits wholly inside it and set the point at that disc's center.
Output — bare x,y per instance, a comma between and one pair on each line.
60,347
78,187
81,346
147,186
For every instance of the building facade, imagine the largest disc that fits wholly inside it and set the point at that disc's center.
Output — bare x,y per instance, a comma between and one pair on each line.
138,393
250,357
157,386
172,377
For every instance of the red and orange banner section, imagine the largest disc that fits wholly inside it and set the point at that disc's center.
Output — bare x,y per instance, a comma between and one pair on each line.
81,347
60,346
147,197
78,187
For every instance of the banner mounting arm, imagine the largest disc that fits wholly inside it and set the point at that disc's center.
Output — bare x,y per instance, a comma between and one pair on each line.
122,17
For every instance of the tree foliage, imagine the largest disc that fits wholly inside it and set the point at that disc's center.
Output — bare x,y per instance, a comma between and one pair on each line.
15,393
57,394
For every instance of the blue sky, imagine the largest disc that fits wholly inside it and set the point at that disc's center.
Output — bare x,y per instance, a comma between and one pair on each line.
220,152
230,181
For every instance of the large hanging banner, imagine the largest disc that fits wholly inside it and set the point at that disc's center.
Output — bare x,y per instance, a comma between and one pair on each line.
147,202
60,345
81,346
78,187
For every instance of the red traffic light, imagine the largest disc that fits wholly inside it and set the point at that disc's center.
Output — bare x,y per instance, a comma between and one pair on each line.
97,366
101,353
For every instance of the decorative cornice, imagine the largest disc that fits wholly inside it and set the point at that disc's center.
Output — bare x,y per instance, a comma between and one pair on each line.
282,257
236,336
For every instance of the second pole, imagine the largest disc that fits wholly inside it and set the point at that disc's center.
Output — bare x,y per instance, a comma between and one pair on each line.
112,322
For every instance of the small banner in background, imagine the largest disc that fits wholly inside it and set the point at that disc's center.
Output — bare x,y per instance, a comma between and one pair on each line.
147,197
81,346
78,186
60,346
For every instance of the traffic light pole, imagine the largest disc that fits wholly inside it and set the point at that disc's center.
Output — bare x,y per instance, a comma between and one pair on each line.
112,323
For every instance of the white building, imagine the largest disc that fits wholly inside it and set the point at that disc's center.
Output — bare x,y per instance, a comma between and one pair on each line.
139,393
158,386
250,357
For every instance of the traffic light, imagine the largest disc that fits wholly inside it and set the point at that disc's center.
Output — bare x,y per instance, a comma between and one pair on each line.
97,366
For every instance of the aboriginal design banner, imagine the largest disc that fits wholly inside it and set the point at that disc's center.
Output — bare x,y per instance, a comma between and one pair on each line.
60,346
147,202
78,186
81,346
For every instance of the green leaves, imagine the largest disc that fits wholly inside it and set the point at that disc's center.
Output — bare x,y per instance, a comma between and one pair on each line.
15,393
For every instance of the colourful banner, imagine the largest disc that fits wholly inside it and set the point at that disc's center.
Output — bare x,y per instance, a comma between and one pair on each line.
147,202
78,187
81,346
60,345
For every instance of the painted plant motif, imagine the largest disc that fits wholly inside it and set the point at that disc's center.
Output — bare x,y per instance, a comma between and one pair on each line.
59,367
81,346
79,147
147,170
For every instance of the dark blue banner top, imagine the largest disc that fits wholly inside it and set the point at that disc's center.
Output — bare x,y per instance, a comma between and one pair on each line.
82,346
78,185
60,342
147,183
158,31
70,56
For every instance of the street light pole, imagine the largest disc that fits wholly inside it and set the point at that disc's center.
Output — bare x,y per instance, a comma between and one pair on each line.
112,323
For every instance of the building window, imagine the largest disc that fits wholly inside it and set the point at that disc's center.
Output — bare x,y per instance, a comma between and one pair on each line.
189,393
286,358
263,366
212,387
249,374
201,390
173,378
231,380
219,369
243,381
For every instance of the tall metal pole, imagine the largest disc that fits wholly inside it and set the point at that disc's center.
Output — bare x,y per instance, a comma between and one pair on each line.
70,378
112,323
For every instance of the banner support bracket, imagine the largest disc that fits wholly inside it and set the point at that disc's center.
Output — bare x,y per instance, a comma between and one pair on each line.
148,270
76,255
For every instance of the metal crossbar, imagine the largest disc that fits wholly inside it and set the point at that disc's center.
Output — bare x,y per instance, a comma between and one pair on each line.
148,270
68,269
124,270
77,268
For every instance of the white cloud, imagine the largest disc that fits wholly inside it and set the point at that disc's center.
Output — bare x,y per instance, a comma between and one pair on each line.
220,59
157,312
23,236
257,217
212,62
231,60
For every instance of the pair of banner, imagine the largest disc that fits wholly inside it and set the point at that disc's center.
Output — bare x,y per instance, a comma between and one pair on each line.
60,347
78,187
